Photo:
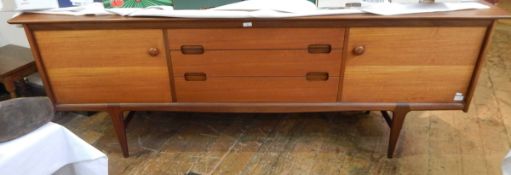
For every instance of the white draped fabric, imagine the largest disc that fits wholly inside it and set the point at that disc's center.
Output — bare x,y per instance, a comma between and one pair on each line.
48,150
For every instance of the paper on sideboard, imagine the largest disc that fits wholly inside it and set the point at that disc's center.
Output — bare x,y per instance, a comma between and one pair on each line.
399,9
289,6
265,12
35,4
90,9
237,14
247,9
32,5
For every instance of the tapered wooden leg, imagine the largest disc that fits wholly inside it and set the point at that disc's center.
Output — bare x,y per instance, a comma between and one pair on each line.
387,118
120,129
10,87
398,118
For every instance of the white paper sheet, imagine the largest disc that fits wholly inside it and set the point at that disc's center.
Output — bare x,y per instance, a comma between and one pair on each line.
236,14
91,9
399,9
245,9
49,148
266,9
238,10
36,4
506,164
289,6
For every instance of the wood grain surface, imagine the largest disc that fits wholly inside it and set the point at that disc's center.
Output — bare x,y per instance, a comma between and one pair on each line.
105,66
257,62
251,38
423,64
256,89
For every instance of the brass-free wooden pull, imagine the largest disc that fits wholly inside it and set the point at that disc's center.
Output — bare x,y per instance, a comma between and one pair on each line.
319,48
153,51
359,50
192,49
195,76
317,76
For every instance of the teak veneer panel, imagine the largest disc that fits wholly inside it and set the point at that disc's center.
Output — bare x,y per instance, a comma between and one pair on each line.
257,62
412,64
105,66
255,38
256,89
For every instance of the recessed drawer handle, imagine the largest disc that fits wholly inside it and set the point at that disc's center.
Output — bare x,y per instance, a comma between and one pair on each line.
319,48
317,76
192,49
195,76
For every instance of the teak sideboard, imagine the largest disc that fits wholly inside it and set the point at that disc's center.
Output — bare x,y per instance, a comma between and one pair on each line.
362,62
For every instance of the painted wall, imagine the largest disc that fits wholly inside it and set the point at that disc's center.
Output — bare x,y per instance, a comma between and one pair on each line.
2,40
11,34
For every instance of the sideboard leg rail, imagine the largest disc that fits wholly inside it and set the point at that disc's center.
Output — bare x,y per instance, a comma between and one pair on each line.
118,121
398,118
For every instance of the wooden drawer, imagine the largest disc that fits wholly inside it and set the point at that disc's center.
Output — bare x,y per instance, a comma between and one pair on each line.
410,64
105,66
257,62
257,89
255,38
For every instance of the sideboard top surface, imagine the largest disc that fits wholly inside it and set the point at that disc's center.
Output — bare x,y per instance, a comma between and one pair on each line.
492,13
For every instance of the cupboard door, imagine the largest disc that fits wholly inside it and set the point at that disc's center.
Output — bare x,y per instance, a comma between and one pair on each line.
105,66
410,64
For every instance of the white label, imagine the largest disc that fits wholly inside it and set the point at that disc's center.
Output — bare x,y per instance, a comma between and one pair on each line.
81,2
459,96
247,24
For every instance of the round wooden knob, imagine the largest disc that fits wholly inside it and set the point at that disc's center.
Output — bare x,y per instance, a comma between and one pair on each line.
359,50
153,51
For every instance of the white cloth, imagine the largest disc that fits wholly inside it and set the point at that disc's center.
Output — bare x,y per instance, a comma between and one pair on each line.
48,149
506,164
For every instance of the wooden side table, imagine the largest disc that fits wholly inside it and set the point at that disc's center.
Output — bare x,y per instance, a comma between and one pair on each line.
15,63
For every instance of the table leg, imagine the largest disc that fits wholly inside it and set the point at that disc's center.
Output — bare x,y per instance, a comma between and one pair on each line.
9,86
398,118
120,129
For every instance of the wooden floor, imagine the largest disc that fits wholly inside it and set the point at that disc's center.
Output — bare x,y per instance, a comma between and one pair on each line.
437,142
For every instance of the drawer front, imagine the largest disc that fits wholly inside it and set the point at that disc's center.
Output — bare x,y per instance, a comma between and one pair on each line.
105,66
256,89
257,62
412,64
255,38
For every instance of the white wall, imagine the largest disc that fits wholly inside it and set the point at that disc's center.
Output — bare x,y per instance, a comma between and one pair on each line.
11,34
2,40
